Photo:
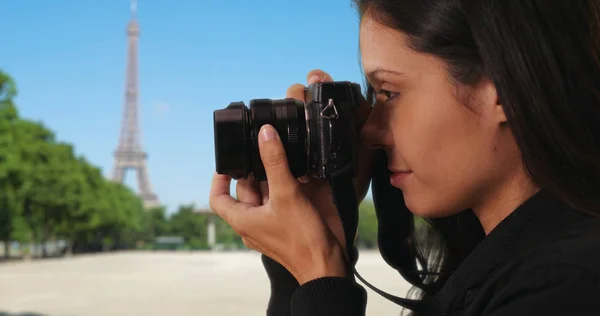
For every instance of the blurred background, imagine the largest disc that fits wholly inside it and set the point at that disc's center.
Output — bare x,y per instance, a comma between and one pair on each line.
81,233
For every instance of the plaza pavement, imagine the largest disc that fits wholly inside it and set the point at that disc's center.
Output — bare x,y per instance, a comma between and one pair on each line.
161,283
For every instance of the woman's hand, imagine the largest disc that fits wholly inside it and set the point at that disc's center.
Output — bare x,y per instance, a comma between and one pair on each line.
319,191
286,226
292,221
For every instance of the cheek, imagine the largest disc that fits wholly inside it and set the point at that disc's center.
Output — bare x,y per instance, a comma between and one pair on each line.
445,146
440,144
431,133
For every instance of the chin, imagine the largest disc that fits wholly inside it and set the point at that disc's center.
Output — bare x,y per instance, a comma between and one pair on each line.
429,207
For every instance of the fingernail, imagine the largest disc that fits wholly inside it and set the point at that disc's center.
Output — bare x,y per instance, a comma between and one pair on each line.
314,78
267,133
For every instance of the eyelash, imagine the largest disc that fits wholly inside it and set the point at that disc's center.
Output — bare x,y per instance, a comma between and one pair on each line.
390,95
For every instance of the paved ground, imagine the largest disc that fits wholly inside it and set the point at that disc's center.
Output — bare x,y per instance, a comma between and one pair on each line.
174,284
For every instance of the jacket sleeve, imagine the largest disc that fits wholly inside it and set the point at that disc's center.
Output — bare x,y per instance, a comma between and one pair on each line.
283,285
550,290
330,296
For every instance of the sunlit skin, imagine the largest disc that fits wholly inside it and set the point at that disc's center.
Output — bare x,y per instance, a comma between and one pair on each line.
448,144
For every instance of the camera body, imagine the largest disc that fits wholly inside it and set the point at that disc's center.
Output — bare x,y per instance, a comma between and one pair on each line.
319,135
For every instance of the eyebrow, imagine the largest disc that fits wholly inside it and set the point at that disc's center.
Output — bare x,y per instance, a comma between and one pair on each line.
378,72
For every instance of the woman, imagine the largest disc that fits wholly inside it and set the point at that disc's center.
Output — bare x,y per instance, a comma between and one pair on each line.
488,112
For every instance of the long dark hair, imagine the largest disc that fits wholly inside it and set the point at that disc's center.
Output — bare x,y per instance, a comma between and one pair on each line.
544,58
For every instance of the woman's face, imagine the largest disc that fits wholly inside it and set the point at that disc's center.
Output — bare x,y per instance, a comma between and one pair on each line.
446,143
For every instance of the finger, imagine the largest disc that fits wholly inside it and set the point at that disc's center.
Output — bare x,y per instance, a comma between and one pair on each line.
318,75
220,185
247,191
264,191
219,198
304,179
371,134
274,159
235,213
364,110
296,92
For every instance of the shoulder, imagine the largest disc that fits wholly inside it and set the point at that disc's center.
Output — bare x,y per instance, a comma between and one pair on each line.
578,246
547,289
559,277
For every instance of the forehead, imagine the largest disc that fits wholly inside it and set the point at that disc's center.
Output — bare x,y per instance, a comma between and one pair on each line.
383,47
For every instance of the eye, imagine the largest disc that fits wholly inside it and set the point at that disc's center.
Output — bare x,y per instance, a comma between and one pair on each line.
388,94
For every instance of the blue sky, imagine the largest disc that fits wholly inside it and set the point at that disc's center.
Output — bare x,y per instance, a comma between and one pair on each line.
68,58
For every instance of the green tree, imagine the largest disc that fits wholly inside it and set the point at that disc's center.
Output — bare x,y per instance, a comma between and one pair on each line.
48,192
39,199
367,225
191,226
157,224
8,160
77,212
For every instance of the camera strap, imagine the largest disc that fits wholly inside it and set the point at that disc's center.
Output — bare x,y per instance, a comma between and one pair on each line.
344,197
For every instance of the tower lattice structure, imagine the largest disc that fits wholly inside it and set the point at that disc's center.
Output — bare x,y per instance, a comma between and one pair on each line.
130,154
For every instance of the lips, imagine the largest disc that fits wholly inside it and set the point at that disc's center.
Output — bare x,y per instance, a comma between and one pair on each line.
399,176
398,170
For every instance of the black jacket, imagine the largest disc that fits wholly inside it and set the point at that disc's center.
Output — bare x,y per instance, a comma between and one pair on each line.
543,259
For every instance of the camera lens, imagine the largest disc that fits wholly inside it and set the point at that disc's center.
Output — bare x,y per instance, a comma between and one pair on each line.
232,132
236,136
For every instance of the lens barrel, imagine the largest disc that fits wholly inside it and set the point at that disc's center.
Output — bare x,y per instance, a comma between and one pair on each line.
231,133
236,131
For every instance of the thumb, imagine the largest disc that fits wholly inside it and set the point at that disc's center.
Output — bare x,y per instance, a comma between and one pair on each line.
274,159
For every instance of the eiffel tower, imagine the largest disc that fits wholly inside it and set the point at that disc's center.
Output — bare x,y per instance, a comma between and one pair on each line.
129,153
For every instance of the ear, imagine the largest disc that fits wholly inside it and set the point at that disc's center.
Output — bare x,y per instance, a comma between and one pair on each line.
489,98
500,115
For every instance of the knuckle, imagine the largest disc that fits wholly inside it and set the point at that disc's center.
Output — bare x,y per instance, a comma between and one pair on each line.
296,91
320,73
241,230
247,242
304,179
212,205
234,221
238,190
228,219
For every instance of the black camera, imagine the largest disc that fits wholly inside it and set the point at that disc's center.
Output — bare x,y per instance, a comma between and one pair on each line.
318,135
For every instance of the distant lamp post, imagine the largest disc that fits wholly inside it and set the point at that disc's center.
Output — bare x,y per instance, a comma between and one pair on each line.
211,233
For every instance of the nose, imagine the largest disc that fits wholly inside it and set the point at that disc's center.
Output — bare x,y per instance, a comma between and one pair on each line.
375,134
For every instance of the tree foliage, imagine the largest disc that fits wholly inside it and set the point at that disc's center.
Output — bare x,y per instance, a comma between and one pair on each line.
49,193
367,225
